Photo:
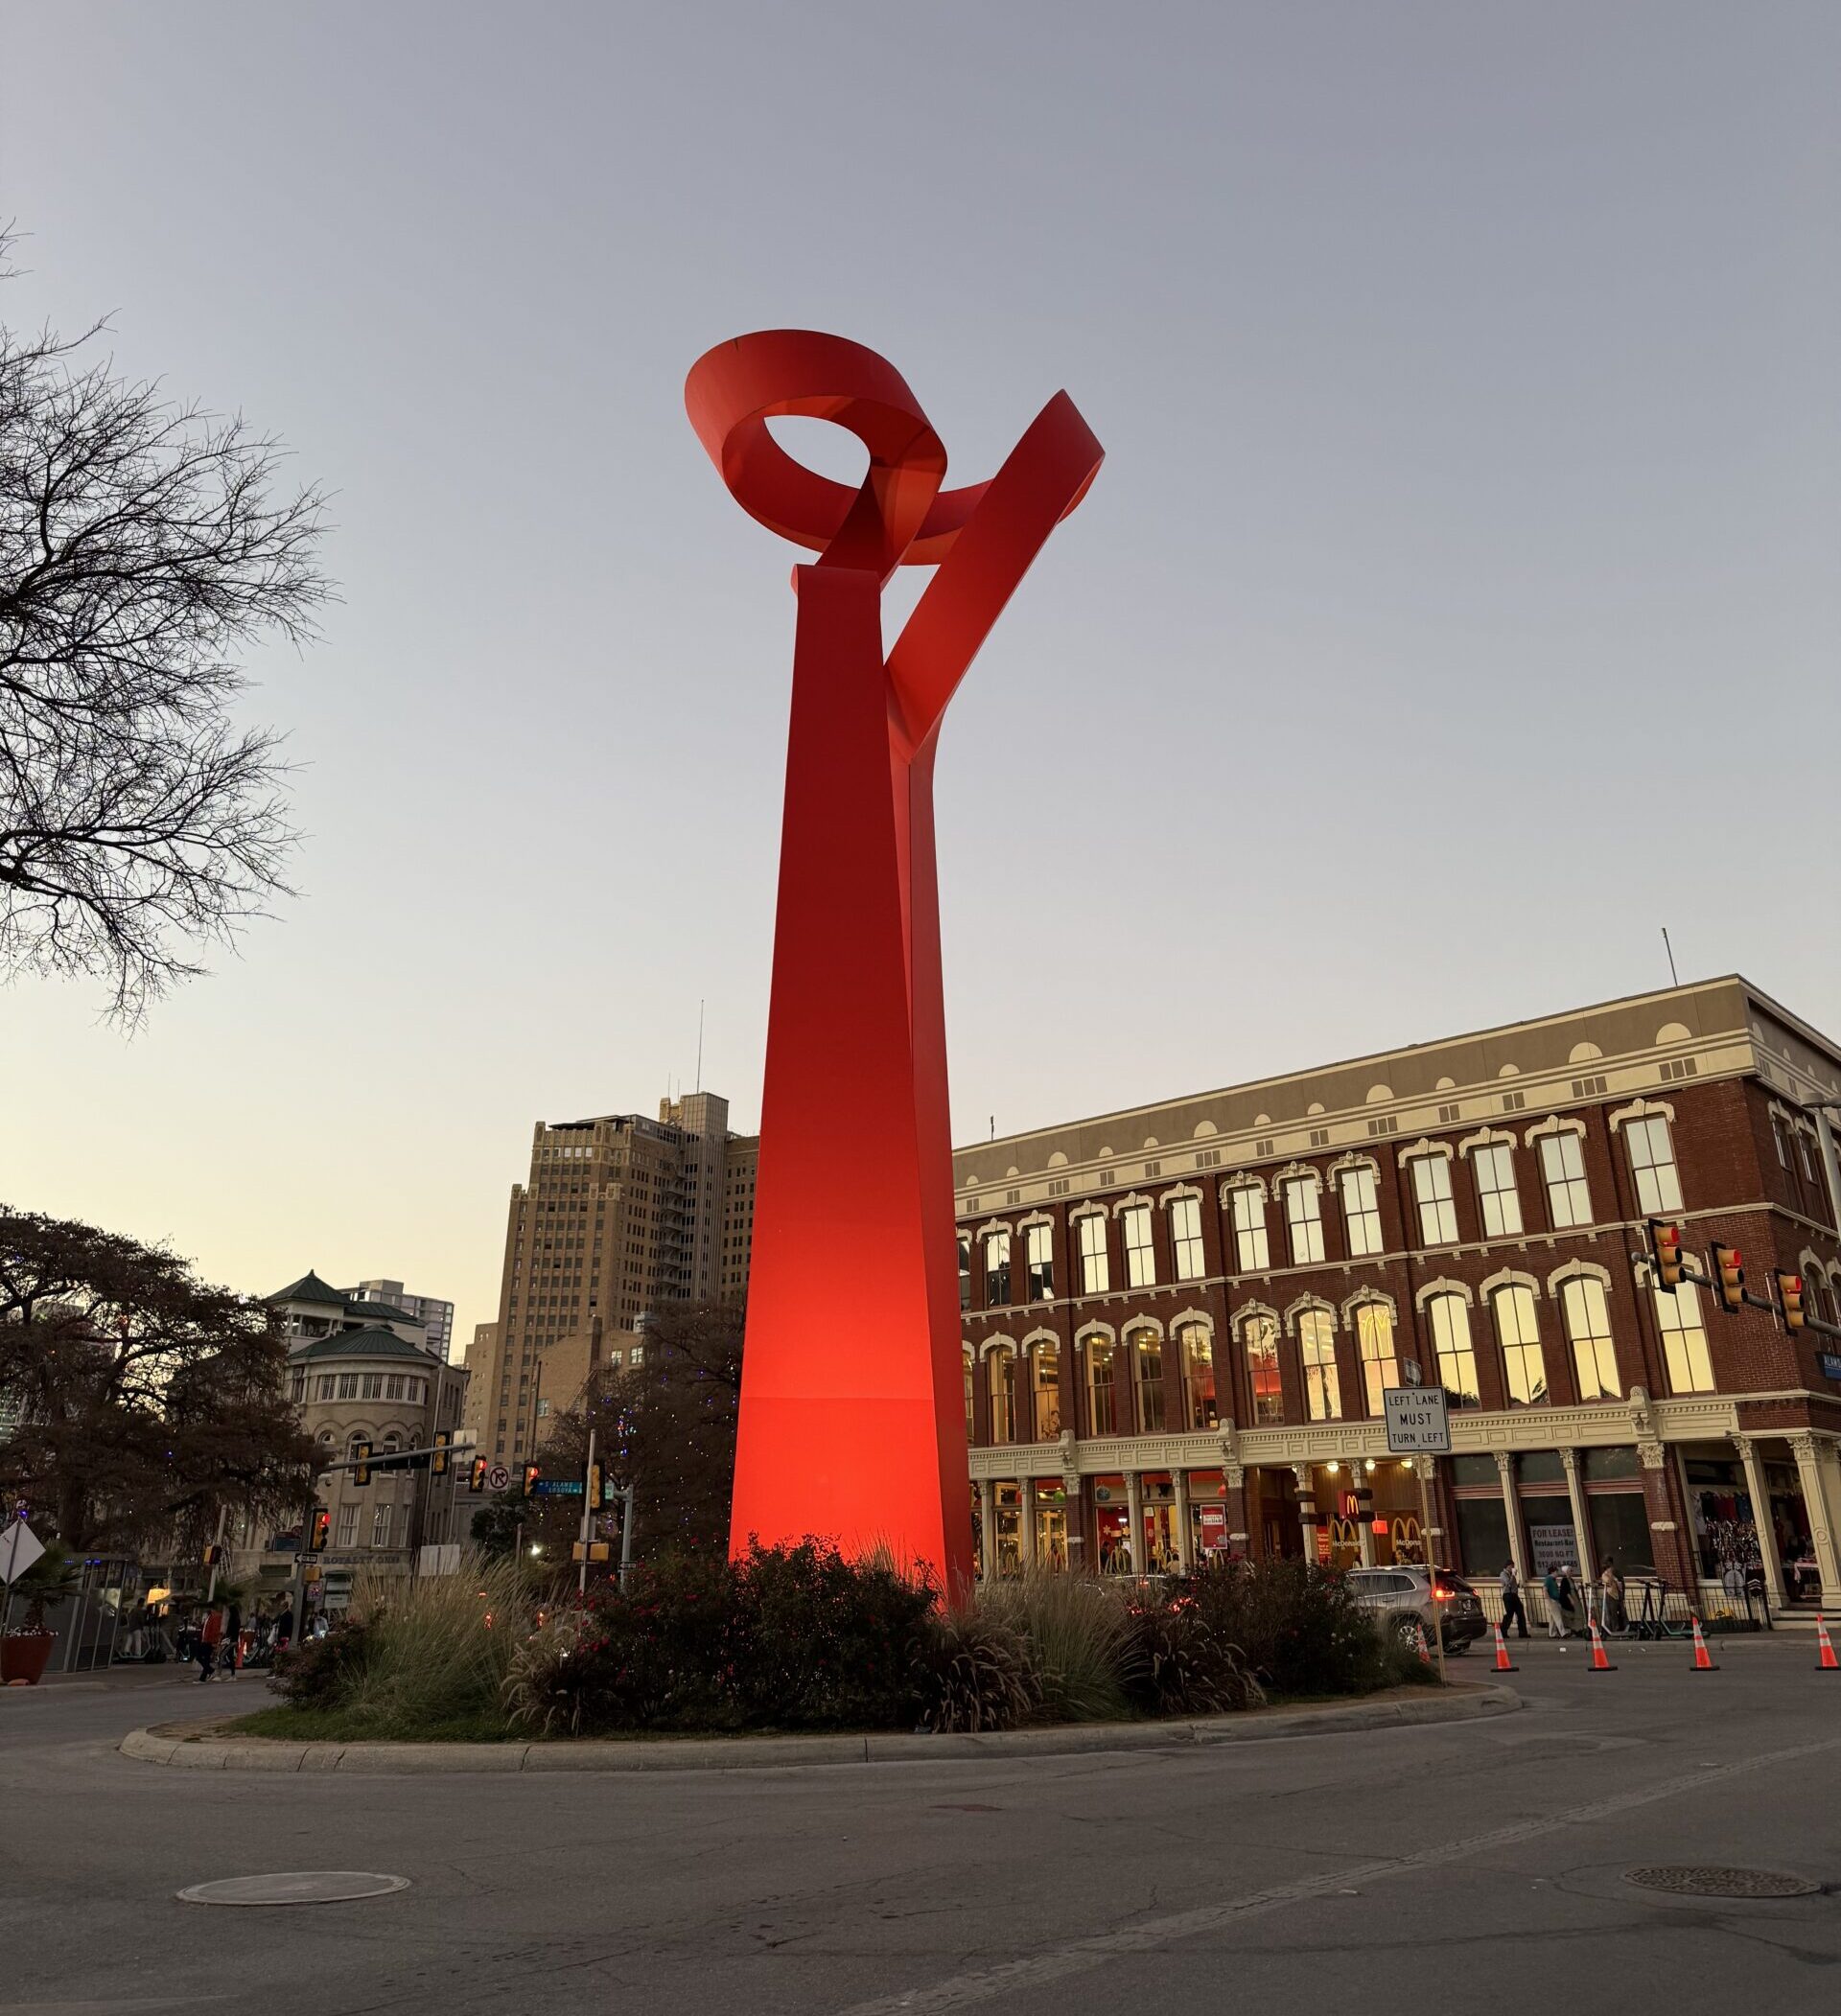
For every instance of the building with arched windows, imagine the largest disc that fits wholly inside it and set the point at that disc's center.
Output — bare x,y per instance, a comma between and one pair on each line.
1179,1319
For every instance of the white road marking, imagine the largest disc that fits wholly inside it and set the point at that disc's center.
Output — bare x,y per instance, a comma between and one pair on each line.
964,1991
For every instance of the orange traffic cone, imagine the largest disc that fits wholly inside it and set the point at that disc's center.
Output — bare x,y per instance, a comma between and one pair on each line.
1703,1659
1503,1663
1599,1664
1425,1645
1824,1658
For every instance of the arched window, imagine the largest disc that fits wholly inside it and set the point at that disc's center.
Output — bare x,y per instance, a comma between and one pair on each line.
1317,1351
1259,1337
1374,1345
1198,1349
1100,1395
352,1447
1684,1340
971,1375
1586,1311
1518,1332
1147,1371
1046,1378
1450,1320
1002,1378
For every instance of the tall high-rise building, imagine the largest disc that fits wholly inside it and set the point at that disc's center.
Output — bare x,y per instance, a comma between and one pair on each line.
435,1315
620,1217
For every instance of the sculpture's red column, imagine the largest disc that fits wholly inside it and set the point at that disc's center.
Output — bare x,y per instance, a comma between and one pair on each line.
853,1421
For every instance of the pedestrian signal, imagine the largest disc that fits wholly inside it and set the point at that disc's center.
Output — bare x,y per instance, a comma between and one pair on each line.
1729,1277
1789,1292
438,1456
1665,1242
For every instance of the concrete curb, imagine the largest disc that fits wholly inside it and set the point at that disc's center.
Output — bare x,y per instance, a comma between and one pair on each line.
1465,1700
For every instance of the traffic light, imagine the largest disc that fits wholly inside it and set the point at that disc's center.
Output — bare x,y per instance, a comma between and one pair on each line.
362,1459
438,1456
1729,1277
1789,1292
478,1481
1665,1242
596,1491
532,1472
213,1556
319,1531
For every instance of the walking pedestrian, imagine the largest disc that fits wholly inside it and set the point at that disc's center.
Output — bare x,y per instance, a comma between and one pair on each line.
1512,1610
233,1638
1611,1596
1550,1586
205,1646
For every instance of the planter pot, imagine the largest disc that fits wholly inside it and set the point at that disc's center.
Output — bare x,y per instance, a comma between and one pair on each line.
24,1658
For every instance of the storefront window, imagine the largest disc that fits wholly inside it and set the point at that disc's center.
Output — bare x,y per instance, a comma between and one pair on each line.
1259,1336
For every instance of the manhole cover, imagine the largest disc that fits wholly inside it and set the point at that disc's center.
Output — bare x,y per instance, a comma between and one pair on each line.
295,1887
1710,1880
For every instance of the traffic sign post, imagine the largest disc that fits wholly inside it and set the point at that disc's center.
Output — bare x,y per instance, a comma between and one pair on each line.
1419,1425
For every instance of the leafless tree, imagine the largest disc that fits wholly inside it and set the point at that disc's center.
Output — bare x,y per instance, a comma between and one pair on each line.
144,544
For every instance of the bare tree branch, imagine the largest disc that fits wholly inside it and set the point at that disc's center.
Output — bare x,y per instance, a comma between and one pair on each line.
143,547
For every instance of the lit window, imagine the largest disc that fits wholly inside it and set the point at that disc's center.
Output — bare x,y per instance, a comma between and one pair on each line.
1147,1367
965,1271
381,1526
1586,1311
1304,1219
1095,1274
1569,1200
1437,1212
996,1269
1652,1163
1374,1346
1259,1336
1518,1332
1198,1349
1361,1210
1100,1392
1450,1319
1002,1378
971,1387
1045,1377
1038,1256
1251,1247
347,1525
1684,1340
1185,1236
1495,1195
1317,1350
1140,1257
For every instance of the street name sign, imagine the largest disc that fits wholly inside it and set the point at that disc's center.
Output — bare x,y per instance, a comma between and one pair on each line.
559,1487
1417,1422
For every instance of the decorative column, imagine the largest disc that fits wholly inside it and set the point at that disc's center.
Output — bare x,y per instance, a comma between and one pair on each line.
1581,1515
1512,1512
1306,1507
1079,1545
1179,1513
1674,1556
1233,1491
1134,1518
1815,1462
1760,1494
1025,1519
988,1528
1365,1513
1435,1549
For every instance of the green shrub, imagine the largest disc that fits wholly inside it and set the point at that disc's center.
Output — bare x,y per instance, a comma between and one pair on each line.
971,1672
1081,1632
1180,1664
1297,1627
319,1672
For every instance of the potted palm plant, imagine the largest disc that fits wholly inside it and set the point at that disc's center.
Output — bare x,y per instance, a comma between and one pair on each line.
26,1646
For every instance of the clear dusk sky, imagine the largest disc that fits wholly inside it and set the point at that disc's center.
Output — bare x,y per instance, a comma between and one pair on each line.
1458,604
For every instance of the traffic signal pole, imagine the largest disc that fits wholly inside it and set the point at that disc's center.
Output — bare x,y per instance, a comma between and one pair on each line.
588,1514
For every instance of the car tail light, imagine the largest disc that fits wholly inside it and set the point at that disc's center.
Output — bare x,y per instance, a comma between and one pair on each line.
1441,1595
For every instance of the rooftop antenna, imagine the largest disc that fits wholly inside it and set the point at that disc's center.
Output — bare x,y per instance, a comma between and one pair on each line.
1674,977
699,1046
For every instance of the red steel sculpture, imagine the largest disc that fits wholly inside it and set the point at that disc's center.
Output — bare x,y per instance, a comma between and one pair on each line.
853,1414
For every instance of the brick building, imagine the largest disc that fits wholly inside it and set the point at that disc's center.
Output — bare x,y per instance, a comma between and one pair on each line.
1178,1319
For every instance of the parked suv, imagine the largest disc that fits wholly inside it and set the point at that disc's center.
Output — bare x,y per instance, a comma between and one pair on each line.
1399,1597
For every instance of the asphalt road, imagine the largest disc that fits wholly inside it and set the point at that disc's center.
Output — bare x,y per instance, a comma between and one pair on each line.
1481,1863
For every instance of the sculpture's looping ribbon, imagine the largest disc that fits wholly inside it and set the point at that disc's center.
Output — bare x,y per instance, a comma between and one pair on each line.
983,536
